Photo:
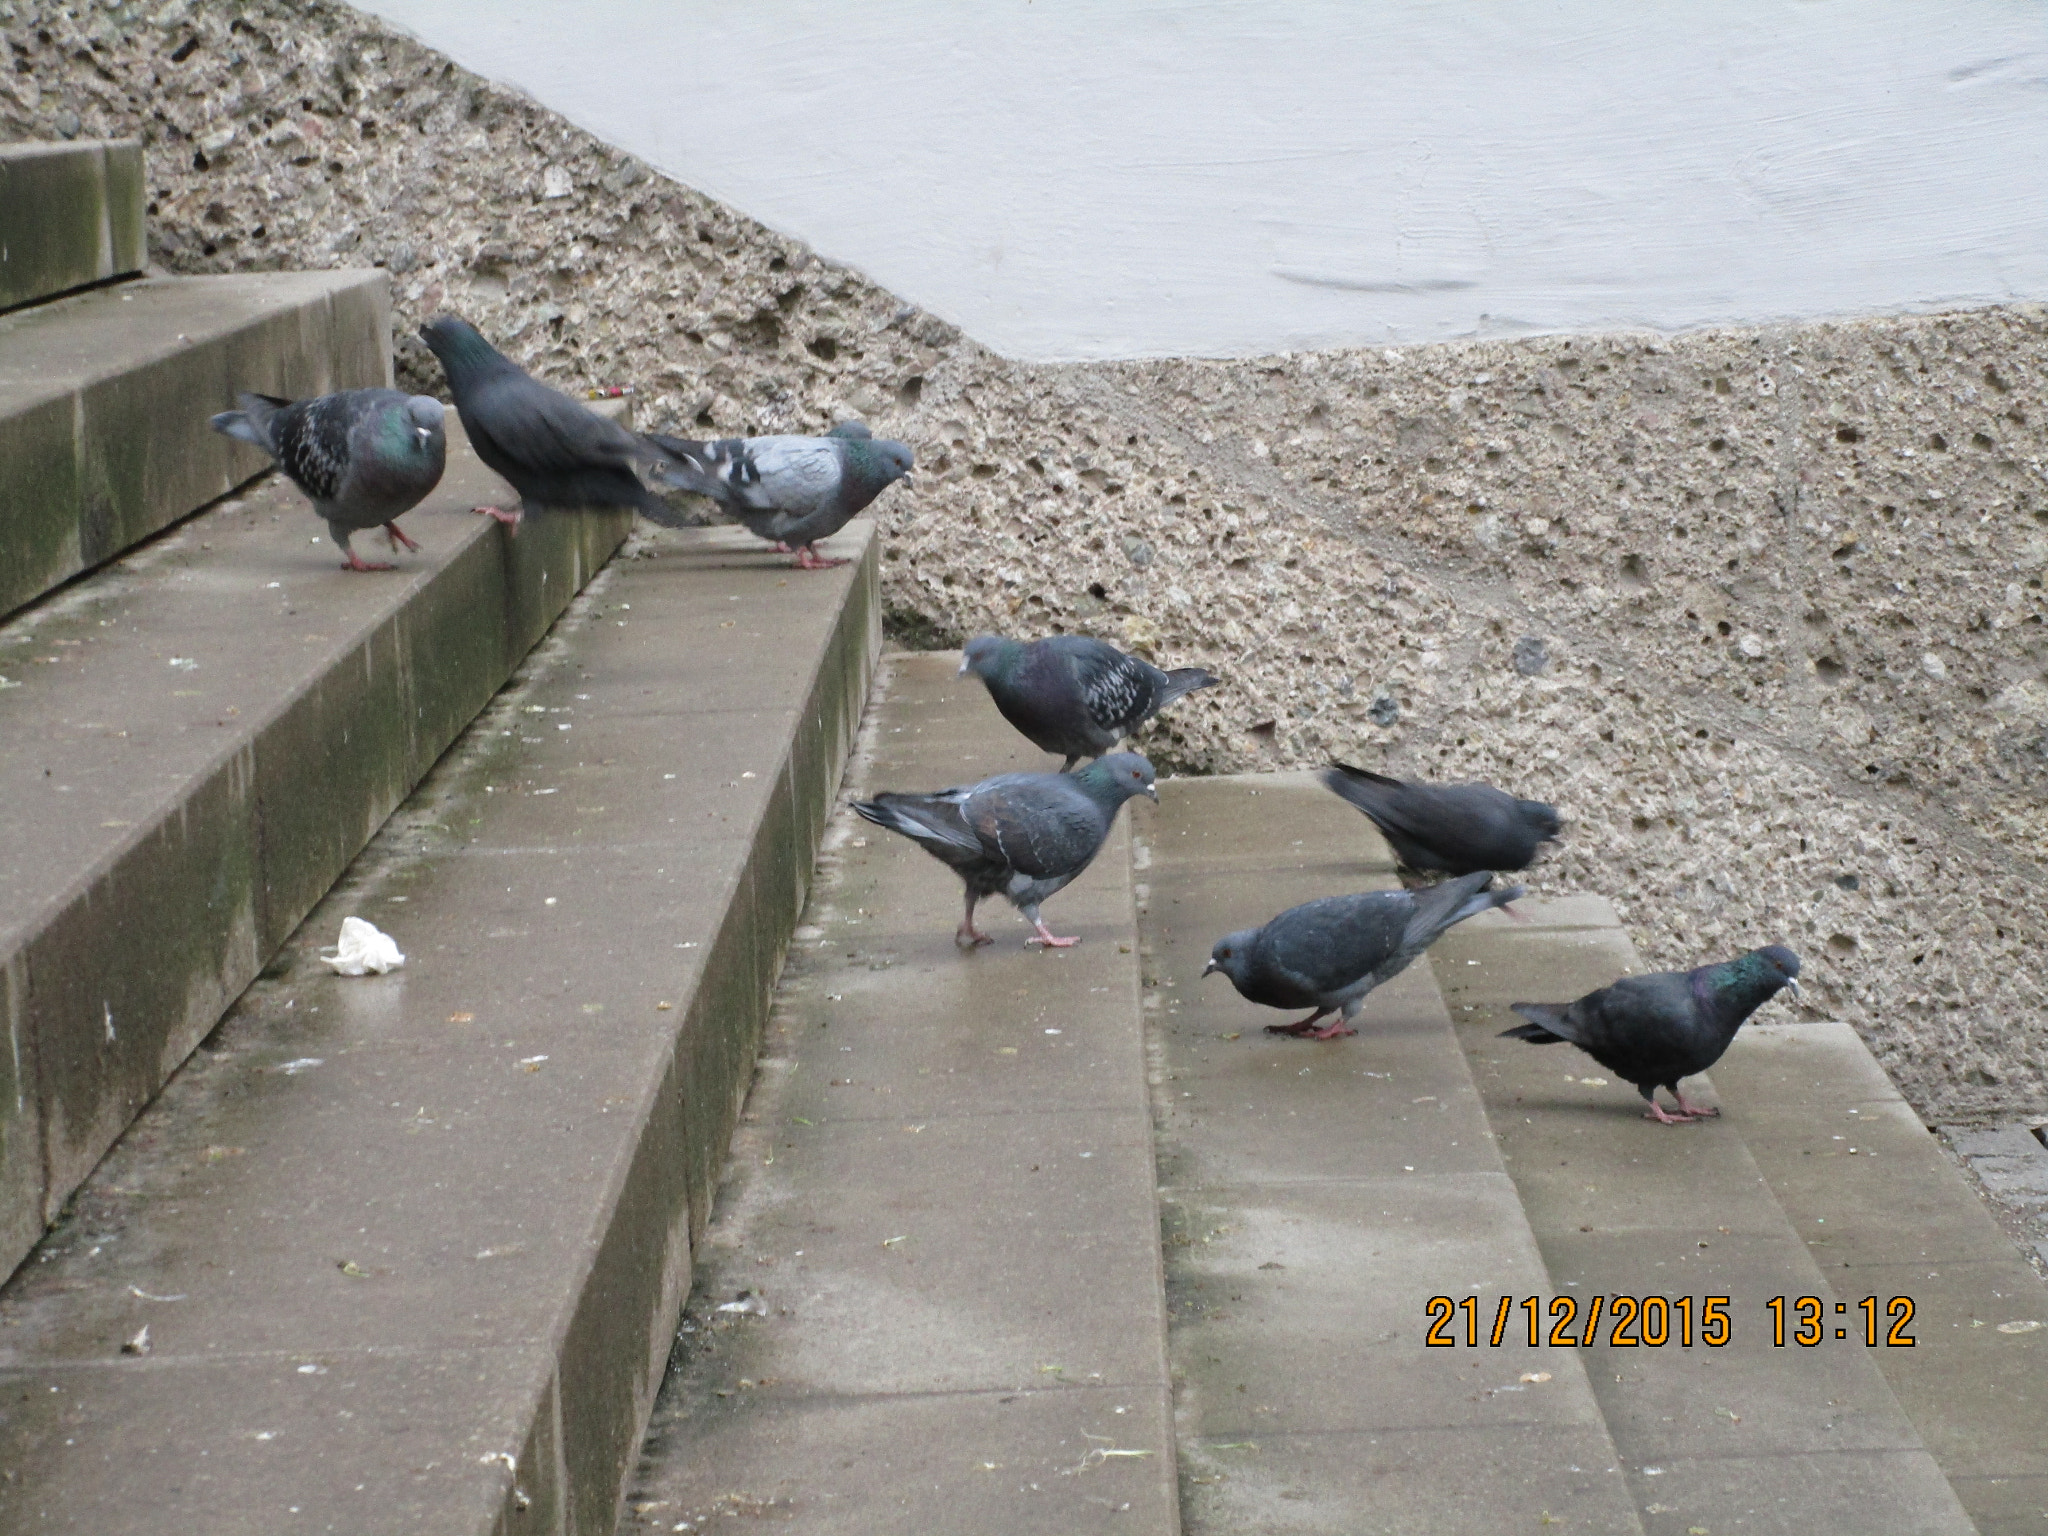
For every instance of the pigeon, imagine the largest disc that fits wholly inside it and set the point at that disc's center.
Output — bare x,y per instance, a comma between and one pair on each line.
365,457
1329,953
1025,835
1657,1029
1457,828
1073,695
791,491
549,448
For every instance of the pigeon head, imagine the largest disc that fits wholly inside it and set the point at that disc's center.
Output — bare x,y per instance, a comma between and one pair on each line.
463,352
890,459
990,656
1232,955
427,418
1115,778
1541,819
1774,965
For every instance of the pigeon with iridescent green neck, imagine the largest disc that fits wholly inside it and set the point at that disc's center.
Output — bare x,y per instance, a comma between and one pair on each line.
1654,1030
364,457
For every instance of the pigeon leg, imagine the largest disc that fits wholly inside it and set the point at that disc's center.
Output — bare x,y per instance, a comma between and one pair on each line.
808,559
1050,939
509,519
1301,1028
397,536
967,936
782,548
1517,917
1697,1111
1068,765
1334,1030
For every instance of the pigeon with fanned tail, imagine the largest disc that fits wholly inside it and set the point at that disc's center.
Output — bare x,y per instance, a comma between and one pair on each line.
1654,1030
551,449
1456,828
1072,695
1019,835
364,457
1328,954
791,491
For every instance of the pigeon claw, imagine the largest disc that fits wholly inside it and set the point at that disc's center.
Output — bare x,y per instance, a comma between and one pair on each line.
1696,1111
1335,1031
396,536
1305,1029
1656,1112
967,936
509,519
808,559
357,563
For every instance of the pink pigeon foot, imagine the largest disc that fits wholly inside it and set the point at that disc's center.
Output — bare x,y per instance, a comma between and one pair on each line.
1517,917
782,548
1332,1031
1301,1029
1656,1112
1045,935
808,559
509,519
396,536
357,563
1697,1111
967,936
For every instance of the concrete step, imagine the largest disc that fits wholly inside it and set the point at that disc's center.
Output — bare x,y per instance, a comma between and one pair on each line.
1316,1197
1884,1212
194,743
1750,1436
70,216
942,1198
104,400
410,1248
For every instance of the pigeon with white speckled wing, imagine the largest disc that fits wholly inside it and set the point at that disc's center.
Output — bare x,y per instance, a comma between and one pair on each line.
1329,953
1073,695
792,491
364,456
1020,835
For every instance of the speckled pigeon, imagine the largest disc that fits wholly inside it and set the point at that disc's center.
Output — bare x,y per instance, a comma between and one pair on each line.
1329,953
365,457
1073,695
792,491
1457,828
551,449
1654,1030
1023,835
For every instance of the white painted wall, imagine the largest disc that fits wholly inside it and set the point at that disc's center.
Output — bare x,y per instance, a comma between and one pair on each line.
1109,178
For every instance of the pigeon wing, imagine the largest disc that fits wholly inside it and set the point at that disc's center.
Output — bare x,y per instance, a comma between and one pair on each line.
1037,824
312,440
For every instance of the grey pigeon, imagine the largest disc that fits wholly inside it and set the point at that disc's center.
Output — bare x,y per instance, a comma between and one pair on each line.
1457,828
551,449
1023,835
1072,695
1652,1030
365,457
1329,953
792,491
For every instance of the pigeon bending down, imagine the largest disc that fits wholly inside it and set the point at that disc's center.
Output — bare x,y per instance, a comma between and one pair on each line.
1457,828
1651,1030
1072,695
791,491
1023,835
548,447
365,457
1329,953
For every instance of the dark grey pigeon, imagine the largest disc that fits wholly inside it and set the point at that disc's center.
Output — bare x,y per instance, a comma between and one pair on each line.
1021,835
1457,828
1072,695
792,491
1654,1030
549,448
365,457
1329,953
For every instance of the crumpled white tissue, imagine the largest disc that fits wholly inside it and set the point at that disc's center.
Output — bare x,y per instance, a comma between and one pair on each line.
364,948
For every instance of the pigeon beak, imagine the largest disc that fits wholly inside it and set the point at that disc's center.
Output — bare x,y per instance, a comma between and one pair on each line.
963,668
1152,794
1793,983
1209,969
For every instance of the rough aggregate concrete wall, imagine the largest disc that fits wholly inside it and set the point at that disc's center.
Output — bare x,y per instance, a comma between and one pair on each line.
1761,610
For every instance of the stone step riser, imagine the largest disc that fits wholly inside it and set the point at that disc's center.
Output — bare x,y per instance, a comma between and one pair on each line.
70,216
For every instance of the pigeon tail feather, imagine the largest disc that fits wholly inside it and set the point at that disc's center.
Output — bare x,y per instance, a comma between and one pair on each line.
1180,680
1546,1027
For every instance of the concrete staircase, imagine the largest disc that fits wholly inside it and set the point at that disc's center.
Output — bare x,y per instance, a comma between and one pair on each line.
931,1299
